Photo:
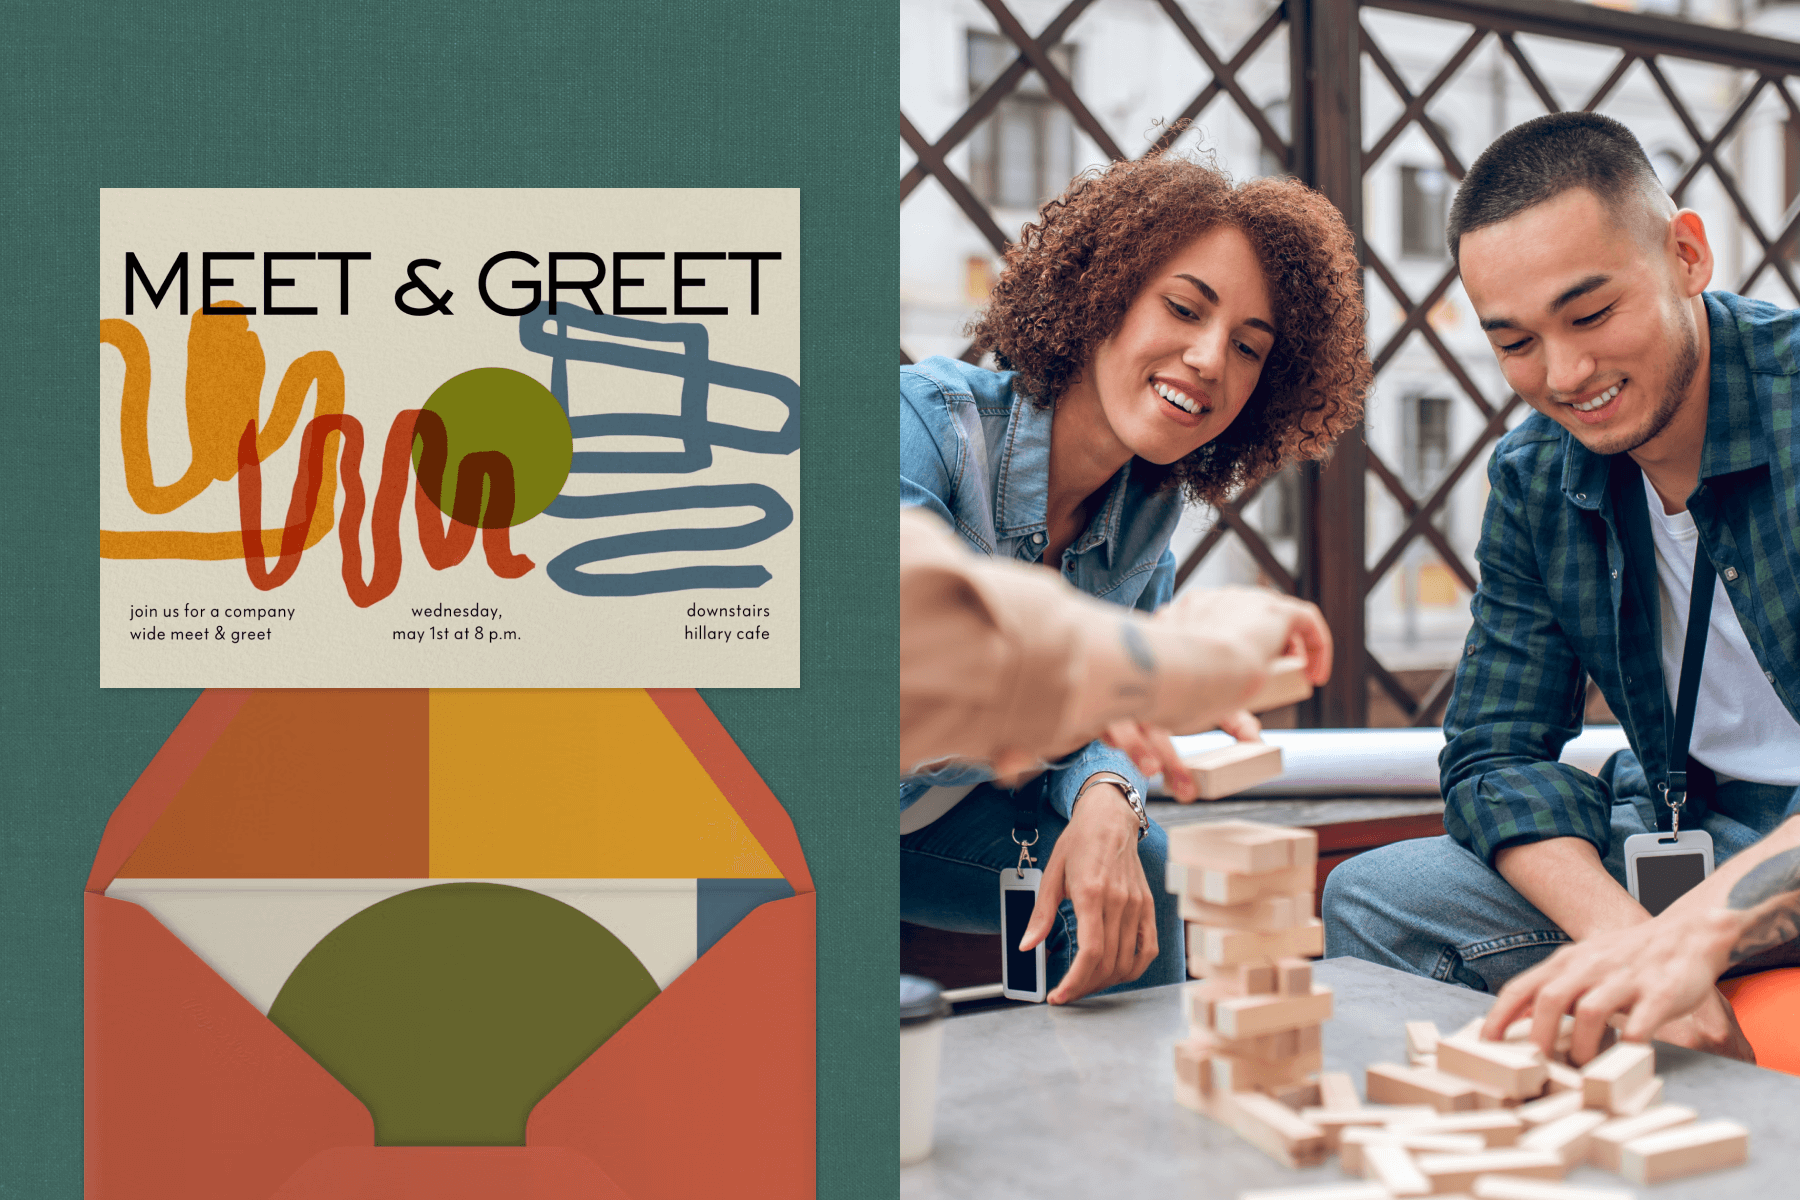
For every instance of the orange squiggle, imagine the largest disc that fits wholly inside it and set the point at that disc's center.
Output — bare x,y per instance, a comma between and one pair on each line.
442,548
224,380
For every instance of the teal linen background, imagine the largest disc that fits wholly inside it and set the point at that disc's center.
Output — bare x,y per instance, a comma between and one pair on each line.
780,93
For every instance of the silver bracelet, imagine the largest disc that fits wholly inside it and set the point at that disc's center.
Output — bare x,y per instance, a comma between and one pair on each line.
1131,797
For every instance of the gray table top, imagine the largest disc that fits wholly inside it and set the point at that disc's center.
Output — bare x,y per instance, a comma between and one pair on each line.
1078,1101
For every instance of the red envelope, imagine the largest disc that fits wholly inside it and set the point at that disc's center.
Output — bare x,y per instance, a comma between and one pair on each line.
192,1094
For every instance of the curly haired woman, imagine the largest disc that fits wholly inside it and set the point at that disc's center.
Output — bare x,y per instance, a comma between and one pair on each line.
1162,333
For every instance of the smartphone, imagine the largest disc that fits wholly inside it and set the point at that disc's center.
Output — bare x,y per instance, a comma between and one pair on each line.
1661,867
1021,971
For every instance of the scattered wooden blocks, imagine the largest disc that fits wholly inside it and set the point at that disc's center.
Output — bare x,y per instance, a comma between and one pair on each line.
1604,1146
1563,1078
1394,1169
1550,1108
1567,1137
1684,1150
1354,1143
1515,1070
1286,684
1456,1172
1517,1187
1421,1041
1334,1121
1331,1191
1391,1083
1642,1100
1338,1091
1618,1074
1496,1127
1277,1130
1230,769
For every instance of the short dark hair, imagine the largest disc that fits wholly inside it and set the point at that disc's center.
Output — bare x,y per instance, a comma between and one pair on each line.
1542,159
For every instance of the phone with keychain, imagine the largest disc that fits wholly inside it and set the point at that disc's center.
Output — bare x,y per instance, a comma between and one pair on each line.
1022,971
1661,867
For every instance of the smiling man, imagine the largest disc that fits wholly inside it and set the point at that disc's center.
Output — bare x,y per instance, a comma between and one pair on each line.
1663,427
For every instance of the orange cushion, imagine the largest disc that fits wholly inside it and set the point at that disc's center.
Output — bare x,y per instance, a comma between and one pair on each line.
1768,1008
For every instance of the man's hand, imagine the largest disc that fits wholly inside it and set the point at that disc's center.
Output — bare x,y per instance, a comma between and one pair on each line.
1096,865
1269,623
1658,973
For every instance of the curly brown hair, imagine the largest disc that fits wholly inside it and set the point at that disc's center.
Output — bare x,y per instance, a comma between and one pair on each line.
1070,277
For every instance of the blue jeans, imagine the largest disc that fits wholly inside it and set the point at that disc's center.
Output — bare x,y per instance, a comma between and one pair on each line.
950,879
1431,907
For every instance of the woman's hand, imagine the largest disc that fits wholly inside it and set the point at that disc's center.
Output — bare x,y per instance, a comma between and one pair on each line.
1154,753
1095,863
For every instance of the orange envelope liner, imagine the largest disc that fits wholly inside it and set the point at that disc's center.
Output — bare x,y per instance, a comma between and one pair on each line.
198,1086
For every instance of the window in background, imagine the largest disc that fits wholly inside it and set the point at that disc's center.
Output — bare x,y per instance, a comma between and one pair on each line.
1424,203
1024,153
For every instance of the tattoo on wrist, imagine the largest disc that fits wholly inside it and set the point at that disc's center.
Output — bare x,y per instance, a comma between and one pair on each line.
1775,882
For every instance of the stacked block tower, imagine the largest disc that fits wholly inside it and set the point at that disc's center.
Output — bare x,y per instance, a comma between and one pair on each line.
1253,1052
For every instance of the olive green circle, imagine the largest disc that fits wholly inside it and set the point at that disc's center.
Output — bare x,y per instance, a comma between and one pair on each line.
451,1010
495,409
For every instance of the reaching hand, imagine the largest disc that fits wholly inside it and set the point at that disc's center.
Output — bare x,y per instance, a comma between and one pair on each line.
1095,863
1659,973
1154,753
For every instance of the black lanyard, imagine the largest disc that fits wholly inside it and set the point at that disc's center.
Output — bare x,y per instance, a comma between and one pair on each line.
1674,787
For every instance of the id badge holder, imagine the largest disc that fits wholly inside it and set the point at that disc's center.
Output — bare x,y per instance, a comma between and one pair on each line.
1022,971
1661,867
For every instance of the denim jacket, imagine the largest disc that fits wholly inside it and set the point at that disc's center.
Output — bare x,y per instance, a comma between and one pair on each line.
1569,590
977,453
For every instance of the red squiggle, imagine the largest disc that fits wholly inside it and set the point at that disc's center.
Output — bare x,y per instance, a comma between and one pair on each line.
443,548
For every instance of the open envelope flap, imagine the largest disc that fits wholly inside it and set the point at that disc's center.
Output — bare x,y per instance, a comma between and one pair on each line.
187,1085
710,1089
132,820
732,772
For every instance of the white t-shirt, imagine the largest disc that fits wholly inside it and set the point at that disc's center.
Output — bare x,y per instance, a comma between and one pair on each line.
1741,728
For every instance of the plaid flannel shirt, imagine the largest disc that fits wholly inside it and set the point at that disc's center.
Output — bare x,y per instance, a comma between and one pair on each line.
1569,590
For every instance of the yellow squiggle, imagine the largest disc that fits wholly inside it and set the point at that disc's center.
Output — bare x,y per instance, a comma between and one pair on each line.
224,391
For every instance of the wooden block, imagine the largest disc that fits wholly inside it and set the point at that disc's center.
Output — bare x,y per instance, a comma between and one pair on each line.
1246,847
1617,1074
1338,1090
1231,1074
1428,1061
1391,1083
1285,684
1265,1047
1230,769
1684,1150
1264,913
1472,1030
1642,1100
1247,1016
1355,1142
1456,1172
1604,1146
1563,1078
1232,947
1257,979
1277,1130
1550,1108
1330,1191
1298,1096
1515,1070
1498,1127
1193,1060
1393,1168
1421,1039
1293,977
1217,886
1567,1137
1335,1120
1518,1187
